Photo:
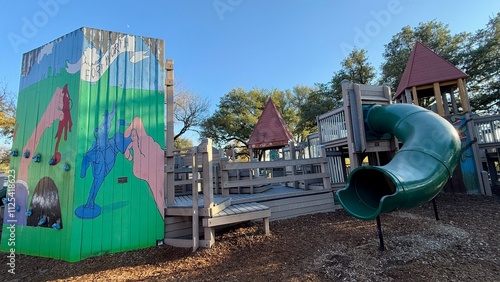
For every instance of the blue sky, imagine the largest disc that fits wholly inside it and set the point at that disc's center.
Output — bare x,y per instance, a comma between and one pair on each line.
218,45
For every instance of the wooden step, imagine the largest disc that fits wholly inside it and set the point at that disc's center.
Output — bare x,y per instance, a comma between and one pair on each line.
249,190
240,213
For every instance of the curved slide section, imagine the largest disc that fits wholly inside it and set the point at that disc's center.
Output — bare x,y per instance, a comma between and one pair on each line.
418,171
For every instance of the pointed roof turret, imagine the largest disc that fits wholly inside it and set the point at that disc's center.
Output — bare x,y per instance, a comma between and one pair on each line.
426,67
271,131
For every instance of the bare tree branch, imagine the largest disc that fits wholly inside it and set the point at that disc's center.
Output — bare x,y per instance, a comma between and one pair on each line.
190,109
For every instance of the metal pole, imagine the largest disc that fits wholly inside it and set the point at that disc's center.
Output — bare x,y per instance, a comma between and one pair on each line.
380,235
435,209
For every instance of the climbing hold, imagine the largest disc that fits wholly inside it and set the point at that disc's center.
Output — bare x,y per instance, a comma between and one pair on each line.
5,200
26,154
14,153
29,213
42,220
56,226
37,158
55,159
66,167
18,208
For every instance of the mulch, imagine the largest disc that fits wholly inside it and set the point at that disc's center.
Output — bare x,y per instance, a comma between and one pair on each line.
464,245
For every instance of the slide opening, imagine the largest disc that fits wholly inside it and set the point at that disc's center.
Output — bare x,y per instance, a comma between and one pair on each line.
366,188
371,185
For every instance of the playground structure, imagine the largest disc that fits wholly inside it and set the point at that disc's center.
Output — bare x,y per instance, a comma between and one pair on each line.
431,81
417,172
100,150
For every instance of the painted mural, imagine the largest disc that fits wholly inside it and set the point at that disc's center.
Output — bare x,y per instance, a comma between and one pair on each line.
90,133
52,113
136,145
467,163
45,207
101,156
65,124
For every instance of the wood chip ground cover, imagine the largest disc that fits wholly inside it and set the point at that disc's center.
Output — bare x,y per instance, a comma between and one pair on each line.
464,245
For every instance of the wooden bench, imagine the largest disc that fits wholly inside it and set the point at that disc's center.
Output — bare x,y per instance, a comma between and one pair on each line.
240,213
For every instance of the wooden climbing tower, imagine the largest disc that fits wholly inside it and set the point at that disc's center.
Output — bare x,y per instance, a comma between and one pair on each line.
432,82
428,77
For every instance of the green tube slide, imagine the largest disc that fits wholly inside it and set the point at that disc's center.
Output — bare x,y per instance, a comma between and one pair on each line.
418,171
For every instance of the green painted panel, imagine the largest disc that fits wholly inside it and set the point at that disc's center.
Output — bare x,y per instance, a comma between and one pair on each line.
111,85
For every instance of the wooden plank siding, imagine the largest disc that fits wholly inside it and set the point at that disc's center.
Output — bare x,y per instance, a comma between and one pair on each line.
240,213
296,206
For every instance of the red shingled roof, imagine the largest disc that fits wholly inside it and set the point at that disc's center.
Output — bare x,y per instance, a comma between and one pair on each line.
426,67
271,131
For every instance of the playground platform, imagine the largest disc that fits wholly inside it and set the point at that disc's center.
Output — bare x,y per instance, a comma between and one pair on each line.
210,192
279,202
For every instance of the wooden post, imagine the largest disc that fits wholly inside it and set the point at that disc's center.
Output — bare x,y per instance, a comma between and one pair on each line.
408,96
453,101
445,103
224,177
415,96
387,92
206,150
169,133
324,167
463,95
439,101
253,173
194,193
346,86
291,144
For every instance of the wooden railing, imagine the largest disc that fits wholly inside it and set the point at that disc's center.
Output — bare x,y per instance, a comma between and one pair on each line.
261,173
332,127
488,131
188,163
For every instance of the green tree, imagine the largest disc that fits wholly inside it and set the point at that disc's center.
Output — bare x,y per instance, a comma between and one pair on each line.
300,96
7,123
236,115
7,112
4,158
328,96
181,143
356,68
481,61
433,34
319,101
238,112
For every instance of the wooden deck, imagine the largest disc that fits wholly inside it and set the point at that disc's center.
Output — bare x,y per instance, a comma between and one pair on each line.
273,197
193,212
282,202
